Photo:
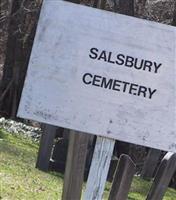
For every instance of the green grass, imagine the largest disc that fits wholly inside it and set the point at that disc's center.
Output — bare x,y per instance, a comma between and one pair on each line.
140,188
19,179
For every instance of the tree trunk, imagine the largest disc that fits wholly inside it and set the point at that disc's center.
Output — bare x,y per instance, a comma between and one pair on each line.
22,26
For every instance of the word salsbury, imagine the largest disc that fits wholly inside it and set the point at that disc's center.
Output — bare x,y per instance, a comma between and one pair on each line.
119,85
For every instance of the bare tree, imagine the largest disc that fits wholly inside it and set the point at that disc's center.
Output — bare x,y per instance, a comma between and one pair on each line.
21,31
174,16
140,7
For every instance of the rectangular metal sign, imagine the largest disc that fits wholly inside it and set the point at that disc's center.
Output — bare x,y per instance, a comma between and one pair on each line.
103,73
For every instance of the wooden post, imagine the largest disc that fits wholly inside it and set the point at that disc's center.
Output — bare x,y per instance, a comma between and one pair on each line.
46,145
74,172
123,178
104,147
150,163
99,168
163,177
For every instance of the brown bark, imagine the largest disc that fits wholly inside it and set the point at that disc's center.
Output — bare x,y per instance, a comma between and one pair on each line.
22,26
174,16
140,7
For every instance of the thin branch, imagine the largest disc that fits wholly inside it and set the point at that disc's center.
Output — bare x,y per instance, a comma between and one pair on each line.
6,90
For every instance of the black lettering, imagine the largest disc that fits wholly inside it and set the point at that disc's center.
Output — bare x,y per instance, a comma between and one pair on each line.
106,84
129,61
137,62
125,85
133,87
84,78
93,52
109,58
151,92
96,80
142,90
116,85
147,64
102,56
157,67
120,59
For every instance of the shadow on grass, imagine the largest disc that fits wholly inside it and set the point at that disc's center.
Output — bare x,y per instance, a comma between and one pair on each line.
56,174
2,134
17,148
26,142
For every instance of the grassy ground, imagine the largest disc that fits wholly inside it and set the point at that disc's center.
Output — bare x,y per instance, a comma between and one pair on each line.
18,177
20,180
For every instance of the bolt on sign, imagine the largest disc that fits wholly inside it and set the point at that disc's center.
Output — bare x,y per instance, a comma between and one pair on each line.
103,73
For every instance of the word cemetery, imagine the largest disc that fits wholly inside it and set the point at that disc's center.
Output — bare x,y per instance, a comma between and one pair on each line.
117,85
103,73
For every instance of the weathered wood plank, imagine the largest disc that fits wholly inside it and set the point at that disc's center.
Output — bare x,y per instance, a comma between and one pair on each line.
46,145
99,168
150,163
74,172
122,179
163,177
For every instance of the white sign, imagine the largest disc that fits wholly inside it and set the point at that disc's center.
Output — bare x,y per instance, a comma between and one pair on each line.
103,73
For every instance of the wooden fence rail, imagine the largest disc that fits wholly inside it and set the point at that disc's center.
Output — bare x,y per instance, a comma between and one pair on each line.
74,172
123,178
46,145
163,177
150,164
